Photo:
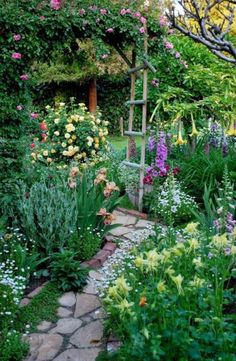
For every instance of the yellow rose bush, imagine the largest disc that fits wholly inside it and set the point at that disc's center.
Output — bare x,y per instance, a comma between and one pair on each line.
174,298
70,133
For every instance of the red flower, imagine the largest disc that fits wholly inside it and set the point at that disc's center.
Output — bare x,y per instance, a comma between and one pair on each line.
43,126
176,170
32,145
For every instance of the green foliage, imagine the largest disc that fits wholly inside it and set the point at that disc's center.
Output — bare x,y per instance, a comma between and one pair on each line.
47,213
66,270
191,82
199,168
12,348
171,301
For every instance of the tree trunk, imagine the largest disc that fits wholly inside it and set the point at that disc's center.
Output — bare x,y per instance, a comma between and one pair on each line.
93,95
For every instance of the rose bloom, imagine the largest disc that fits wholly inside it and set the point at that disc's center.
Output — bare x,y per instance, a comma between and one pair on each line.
143,20
82,12
142,30
17,37
24,77
103,11
32,145
123,12
110,30
34,115
19,107
74,171
16,56
55,4
43,126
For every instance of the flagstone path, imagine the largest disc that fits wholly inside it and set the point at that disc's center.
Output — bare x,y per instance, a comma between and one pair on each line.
78,333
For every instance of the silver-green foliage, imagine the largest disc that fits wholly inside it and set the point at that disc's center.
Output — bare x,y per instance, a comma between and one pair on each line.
48,214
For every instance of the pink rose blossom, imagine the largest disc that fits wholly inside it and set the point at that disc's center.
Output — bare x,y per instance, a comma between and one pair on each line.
93,7
34,115
82,12
128,11
142,30
17,37
123,11
168,45
143,20
24,77
177,55
55,4
110,30
137,14
16,56
103,11
19,107
163,20
104,56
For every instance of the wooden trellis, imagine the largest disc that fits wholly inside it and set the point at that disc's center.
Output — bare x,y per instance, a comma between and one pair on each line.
145,66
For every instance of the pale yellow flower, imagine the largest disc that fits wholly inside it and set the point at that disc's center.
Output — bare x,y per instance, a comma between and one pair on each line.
191,227
98,121
57,133
233,250
178,280
70,128
49,160
62,105
53,151
74,137
96,146
45,153
220,241
70,141
139,262
112,292
122,285
63,145
197,282
161,286
56,121
193,244
198,262
67,135
124,305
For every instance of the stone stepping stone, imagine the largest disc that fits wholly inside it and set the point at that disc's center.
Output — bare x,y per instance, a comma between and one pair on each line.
98,314
67,300
89,354
44,326
66,326
120,231
43,347
91,287
88,336
86,303
144,224
95,275
64,312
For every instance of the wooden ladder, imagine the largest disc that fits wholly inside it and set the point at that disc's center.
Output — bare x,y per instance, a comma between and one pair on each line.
132,103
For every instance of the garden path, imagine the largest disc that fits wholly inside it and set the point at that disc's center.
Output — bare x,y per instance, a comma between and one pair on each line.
78,333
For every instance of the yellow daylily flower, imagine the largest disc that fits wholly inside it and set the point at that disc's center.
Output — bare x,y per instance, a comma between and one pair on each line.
191,227
178,280
122,285
124,305
220,241
161,286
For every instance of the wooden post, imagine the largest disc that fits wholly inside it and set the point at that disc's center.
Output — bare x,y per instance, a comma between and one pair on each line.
144,123
93,95
131,148
122,126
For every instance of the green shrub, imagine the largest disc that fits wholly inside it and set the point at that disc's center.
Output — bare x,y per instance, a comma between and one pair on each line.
66,270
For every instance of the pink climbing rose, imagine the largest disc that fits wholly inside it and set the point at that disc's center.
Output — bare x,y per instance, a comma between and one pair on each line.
143,20
110,30
142,30
103,11
24,77
123,12
19,107
168,45
17,37
55,4
34,115
16,56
